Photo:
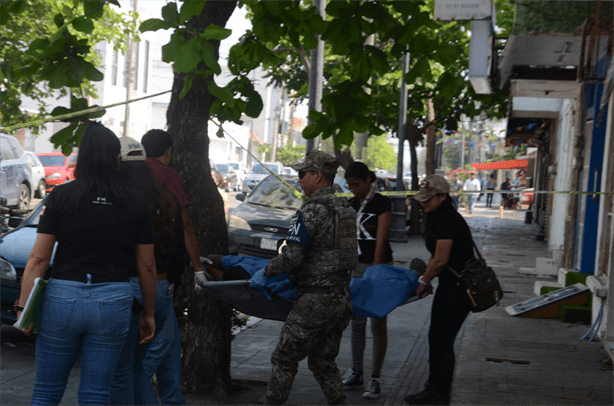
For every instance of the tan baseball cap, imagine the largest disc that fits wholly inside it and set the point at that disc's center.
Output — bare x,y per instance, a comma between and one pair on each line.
318,161
432,185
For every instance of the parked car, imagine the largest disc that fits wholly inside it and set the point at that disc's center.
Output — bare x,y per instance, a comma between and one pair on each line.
229,177
15,248
38,174
58,168
15,173
289,171
258,173
239,169
260,224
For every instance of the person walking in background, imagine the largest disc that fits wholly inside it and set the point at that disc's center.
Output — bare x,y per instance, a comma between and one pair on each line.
132,381
105,236
481,180
373,218
456,186
504,196
471,185
320,254
491,184
448,239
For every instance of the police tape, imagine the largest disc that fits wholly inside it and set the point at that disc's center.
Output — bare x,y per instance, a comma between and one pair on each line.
524,192
73,114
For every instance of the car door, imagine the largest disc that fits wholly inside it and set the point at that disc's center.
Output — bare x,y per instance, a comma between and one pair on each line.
8,171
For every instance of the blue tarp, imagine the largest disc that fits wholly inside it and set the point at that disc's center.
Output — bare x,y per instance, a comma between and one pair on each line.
382,288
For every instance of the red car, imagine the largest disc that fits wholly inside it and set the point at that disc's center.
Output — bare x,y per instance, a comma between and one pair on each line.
58,168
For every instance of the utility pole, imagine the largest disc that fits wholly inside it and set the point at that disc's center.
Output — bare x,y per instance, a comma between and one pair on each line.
250,141
462,160
128,75
316,74
278,113
397,226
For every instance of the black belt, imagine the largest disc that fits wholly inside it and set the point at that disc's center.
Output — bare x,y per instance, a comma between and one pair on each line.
324,290
82,277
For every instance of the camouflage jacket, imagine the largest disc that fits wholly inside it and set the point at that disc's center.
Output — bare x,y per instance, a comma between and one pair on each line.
328,251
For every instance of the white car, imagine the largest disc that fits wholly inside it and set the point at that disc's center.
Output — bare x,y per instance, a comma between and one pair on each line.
38,174
257,173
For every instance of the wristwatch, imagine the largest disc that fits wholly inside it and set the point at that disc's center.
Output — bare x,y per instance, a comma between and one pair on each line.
421,282
17,307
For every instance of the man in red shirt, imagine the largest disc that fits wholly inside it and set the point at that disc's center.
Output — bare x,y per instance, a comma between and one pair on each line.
158,146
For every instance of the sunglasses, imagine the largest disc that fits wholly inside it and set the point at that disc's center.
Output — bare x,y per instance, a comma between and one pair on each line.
301,174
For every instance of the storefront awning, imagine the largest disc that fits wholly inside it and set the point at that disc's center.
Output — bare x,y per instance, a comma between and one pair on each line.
511,164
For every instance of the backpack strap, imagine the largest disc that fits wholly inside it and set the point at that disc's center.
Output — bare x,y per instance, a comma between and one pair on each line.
475,247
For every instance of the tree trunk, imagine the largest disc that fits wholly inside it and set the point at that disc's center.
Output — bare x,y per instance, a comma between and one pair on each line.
207,328
430,140
416,210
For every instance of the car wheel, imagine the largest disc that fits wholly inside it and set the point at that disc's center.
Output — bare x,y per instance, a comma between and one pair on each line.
24,197
41,190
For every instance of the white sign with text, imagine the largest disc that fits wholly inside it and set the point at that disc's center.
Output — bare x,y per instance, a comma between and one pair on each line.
450,10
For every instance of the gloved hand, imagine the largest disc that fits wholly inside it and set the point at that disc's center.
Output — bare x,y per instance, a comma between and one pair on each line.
281,286
199,277
259,282
424,290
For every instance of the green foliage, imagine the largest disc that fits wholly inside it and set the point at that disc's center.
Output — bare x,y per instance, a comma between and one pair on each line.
564,16
380,154
289,155
190,51
48,51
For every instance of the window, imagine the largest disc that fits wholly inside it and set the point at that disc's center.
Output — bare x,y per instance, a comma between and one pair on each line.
135,77
114,68
146,67
5,149
17,150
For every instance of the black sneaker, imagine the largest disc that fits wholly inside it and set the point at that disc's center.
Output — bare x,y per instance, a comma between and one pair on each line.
354,380
428,396
373,390
418,265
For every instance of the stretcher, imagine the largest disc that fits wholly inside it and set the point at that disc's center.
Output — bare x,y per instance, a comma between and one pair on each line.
382,289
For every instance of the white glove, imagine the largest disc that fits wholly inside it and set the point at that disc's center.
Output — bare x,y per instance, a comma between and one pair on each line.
199,277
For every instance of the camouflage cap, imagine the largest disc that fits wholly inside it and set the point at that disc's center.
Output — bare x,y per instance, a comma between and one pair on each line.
317,161
432,185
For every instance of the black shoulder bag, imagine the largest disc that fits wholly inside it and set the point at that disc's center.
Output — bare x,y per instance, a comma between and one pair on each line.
480,283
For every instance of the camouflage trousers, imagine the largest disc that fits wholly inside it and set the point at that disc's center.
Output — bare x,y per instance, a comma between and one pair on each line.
313,329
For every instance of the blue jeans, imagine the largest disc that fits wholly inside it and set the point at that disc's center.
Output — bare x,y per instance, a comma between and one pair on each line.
91,319
470,201
138,363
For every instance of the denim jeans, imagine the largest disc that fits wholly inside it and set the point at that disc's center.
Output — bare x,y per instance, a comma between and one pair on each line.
470,201
138,363
91,319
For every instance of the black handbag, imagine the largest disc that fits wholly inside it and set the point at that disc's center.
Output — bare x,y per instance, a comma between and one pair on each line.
480,283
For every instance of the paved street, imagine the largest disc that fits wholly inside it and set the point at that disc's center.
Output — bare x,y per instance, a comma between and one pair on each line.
500,359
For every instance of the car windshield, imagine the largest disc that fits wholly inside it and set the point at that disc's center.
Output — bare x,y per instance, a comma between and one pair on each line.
222,168
53,160
258,169
271,192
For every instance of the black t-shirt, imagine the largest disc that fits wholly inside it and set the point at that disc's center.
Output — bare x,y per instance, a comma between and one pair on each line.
101,231
173,263
367,227
447,224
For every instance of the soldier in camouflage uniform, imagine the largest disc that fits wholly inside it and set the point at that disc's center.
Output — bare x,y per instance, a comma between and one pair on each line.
320,253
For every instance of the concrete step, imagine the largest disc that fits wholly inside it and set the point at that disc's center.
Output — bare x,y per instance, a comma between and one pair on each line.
546,266
537,289
562,275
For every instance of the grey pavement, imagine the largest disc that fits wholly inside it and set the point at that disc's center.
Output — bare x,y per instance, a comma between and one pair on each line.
500,359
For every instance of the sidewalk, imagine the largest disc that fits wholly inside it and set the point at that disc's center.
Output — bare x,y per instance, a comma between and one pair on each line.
500,359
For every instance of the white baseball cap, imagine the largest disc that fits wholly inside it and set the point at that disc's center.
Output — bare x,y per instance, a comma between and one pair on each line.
131,149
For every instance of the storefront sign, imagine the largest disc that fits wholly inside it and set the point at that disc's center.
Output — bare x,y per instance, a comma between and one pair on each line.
450,10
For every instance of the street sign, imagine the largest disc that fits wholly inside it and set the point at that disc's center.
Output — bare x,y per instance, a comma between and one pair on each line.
451,10
548,305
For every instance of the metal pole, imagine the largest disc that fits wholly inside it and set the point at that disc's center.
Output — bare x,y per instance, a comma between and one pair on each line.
316,74
397,227
129,73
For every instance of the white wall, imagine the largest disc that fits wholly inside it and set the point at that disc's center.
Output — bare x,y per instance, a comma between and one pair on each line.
563,159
